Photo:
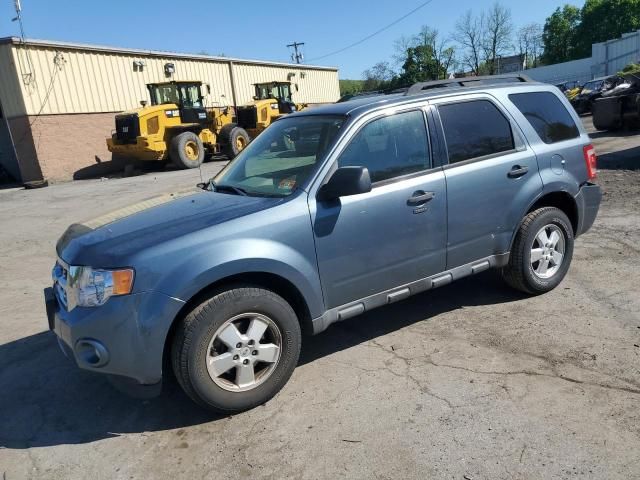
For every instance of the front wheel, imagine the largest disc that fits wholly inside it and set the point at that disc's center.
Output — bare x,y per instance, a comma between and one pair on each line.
234,139
236,350
186,150
541,253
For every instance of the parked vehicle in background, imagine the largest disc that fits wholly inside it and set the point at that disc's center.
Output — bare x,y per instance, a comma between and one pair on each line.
327,214
570,89
619,107
591,91
177,126
271,101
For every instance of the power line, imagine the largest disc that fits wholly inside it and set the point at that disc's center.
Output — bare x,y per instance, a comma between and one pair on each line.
424,4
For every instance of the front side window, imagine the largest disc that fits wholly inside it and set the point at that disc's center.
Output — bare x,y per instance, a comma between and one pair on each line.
390,146
285,92
283,157
190,95
547,115
475,129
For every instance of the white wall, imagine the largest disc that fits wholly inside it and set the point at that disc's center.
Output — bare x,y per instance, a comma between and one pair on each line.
612,56
579,70
607,58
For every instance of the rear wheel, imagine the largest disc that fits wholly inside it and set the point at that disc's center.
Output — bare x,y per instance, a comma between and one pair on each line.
541,252
187,150
236,350
233,139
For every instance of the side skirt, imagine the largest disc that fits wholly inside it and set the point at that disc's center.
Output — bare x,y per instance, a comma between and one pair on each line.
396,294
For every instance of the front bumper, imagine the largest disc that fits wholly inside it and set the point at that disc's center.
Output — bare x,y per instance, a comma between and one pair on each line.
143,149
124,337
588,202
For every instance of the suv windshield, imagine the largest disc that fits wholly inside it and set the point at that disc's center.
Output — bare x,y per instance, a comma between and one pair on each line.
282,157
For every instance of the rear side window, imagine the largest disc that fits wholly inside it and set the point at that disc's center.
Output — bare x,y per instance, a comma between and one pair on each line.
475,129
547,115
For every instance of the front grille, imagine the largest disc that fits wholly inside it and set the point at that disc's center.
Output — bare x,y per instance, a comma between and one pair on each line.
127,128
248,117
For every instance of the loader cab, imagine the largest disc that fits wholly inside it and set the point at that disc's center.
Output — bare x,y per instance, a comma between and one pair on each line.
280,91
187,96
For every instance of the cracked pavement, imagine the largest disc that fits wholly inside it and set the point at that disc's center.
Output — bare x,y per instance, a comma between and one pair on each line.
472,379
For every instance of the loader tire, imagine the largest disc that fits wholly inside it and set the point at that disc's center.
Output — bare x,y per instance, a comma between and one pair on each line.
186,150
233,140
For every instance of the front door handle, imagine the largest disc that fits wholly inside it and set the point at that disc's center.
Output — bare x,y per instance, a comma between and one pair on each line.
517,171
420,198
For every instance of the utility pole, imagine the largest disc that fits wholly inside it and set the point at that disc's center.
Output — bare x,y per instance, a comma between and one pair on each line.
296,56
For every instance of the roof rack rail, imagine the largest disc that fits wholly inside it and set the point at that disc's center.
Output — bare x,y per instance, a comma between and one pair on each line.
421,87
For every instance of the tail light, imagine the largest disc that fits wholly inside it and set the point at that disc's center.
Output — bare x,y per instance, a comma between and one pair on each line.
590,159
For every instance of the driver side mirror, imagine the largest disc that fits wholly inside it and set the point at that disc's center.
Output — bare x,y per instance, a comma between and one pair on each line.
344,182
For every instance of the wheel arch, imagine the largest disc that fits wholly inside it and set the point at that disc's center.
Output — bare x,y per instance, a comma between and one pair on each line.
267,280
559,199
562,201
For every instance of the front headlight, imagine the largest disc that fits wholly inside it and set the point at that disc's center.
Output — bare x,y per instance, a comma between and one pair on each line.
88,287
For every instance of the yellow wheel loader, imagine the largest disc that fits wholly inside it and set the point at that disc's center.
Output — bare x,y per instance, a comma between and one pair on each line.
271,101
177,127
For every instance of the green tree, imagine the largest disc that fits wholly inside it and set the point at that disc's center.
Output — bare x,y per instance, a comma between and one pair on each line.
559,35
603,20
425,56
421,65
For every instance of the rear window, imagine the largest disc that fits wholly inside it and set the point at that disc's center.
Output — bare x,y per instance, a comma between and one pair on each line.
547,115
475,129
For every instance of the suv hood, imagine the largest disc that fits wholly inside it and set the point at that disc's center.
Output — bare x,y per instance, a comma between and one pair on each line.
110,239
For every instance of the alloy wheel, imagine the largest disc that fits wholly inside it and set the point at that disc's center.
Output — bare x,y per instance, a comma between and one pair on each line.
547,251
244,352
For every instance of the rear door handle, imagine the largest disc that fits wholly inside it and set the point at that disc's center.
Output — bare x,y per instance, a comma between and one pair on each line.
420,198
517,171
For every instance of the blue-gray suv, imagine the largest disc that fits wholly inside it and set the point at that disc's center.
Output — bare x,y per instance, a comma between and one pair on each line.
327,214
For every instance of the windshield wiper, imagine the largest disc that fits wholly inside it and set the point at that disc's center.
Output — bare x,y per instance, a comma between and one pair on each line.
228,188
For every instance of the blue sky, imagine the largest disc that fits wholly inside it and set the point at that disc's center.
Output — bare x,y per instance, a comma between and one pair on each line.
267,26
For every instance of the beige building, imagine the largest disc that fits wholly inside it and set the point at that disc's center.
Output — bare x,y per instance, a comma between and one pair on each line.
58,100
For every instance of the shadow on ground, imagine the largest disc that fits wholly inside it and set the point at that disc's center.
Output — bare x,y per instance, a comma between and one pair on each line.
118,167
628,159
614,134
122,167
45,400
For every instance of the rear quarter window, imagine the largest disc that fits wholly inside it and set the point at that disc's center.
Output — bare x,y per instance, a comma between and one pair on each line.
547,115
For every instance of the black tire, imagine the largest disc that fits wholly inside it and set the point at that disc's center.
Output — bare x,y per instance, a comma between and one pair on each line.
519,272
233,139
186,150
190,347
